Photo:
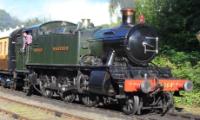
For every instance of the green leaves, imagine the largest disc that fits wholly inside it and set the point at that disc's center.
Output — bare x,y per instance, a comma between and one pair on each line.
184,65
177,21
190,98
7,21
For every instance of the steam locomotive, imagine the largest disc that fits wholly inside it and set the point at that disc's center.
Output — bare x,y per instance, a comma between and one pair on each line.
92,64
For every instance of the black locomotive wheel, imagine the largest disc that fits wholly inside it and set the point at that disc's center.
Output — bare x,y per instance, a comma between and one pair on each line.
167,102
131,105
45,92
81,80
14,86
89,100
68,97
3,84
28,86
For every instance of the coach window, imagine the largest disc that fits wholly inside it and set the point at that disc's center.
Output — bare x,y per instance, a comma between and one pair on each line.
5,45
0,47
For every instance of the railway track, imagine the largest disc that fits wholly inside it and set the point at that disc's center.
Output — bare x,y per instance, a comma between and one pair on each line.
24,111
169,116
74,109
185,116
13,115
104,113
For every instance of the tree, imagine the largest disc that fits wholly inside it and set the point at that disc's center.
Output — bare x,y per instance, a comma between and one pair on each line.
7,21
177,21
33,21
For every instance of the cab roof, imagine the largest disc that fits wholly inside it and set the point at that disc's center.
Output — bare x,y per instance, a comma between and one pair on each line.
38,26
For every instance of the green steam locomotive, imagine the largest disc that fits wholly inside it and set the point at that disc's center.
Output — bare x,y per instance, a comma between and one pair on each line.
93,64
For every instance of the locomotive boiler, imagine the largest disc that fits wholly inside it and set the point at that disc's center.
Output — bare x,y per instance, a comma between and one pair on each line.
97,66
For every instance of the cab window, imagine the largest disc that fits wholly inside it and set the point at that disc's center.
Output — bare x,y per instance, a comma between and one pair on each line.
57,28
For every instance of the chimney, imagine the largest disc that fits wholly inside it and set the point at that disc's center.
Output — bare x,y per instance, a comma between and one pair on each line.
85,23
128,16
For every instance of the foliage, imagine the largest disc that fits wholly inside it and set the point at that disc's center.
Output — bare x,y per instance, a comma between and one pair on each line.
184,65
33,21
189,98
177,21
7,21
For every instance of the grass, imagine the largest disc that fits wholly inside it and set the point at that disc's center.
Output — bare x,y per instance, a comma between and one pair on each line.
190,102
189,109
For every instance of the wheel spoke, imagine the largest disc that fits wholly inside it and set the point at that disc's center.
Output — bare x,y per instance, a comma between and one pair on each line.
89,100
131,105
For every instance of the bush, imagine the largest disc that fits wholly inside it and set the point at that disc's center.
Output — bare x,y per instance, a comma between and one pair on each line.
190,98
184,65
